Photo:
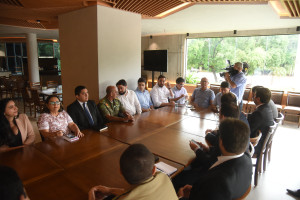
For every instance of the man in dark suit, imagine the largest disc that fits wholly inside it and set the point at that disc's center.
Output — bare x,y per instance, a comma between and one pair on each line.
230,176
84,112
262,118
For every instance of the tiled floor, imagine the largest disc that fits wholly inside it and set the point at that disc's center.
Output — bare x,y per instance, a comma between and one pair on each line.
282,172
284,169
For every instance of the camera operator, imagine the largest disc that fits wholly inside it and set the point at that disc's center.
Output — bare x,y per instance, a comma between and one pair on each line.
237,81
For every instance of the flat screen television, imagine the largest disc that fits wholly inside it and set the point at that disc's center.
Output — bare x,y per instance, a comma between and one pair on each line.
156,60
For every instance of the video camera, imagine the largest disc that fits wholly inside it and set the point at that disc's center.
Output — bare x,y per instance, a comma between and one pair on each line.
230,69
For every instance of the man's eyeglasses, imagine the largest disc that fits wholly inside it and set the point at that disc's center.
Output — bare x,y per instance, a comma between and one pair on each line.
54,102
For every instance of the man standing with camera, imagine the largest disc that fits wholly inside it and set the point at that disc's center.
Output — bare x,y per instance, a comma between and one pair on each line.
237,81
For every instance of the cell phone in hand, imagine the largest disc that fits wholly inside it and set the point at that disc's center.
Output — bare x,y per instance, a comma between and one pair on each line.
193,141
70,135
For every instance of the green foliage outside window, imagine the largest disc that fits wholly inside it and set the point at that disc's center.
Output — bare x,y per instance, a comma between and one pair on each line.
266,55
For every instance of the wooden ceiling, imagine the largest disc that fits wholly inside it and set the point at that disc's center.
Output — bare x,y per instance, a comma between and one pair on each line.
43,14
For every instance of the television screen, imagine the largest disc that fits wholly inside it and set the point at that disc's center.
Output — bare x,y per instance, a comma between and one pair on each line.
156,60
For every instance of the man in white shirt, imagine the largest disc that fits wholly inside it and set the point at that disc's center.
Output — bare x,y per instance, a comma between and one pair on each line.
160,93
128,98
180,93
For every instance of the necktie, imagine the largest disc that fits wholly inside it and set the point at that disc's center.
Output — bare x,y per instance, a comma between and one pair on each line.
88,115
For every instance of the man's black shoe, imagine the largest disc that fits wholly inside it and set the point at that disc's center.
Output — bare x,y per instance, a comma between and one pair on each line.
295,193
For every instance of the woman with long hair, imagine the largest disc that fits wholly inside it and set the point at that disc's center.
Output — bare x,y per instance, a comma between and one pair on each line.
54,121
15,129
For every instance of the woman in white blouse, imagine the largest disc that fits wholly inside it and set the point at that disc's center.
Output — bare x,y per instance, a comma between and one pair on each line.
55,121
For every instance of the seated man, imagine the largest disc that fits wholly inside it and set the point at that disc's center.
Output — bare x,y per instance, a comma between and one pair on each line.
271,103
128,98
84,112
143,96
224,89
11,186
180,93
160,94
111,107
137,167
262,118
231,98
205,155
203,97
230,176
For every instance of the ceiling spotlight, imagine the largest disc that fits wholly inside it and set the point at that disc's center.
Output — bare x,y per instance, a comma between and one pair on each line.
234,31
298,28
187,34
150,36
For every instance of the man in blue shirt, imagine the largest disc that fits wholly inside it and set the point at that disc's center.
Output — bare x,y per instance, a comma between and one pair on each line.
203,97
237,81
143,96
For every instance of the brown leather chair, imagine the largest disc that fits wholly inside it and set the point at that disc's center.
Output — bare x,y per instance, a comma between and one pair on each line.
277,98
246,99
215,88
292,106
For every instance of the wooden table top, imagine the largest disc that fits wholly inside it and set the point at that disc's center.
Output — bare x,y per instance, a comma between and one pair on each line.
68,154
58,169
201,113
30,164
194,125
172,144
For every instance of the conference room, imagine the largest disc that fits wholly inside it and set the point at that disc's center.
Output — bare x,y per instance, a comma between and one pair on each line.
97,43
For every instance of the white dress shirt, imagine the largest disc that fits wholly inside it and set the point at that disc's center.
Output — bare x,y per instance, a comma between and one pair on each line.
160,95
130,102
222,159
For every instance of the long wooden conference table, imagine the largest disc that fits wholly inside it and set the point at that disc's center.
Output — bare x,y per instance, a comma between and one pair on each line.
58,169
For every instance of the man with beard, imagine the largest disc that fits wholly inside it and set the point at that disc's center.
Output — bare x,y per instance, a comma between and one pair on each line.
128,98
160,93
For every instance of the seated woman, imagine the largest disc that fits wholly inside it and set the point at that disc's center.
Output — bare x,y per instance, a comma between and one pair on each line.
55,121
15,129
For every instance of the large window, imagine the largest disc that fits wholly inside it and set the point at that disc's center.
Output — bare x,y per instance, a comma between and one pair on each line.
271,59
13,54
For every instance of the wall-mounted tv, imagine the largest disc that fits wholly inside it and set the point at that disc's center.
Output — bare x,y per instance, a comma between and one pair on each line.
156,60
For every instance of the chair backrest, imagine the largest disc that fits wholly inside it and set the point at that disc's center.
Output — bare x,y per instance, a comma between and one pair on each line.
272,130
279,118
277,96
293,99
35,97
35,85
52,84
254,141
215,88
269,137
246,94
25,94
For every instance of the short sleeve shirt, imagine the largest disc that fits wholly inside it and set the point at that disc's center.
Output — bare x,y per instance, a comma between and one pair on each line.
177,93
111,108
240,81
203,98
55,123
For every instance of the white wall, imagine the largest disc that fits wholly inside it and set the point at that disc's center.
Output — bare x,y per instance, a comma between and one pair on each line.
175,45
119,47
